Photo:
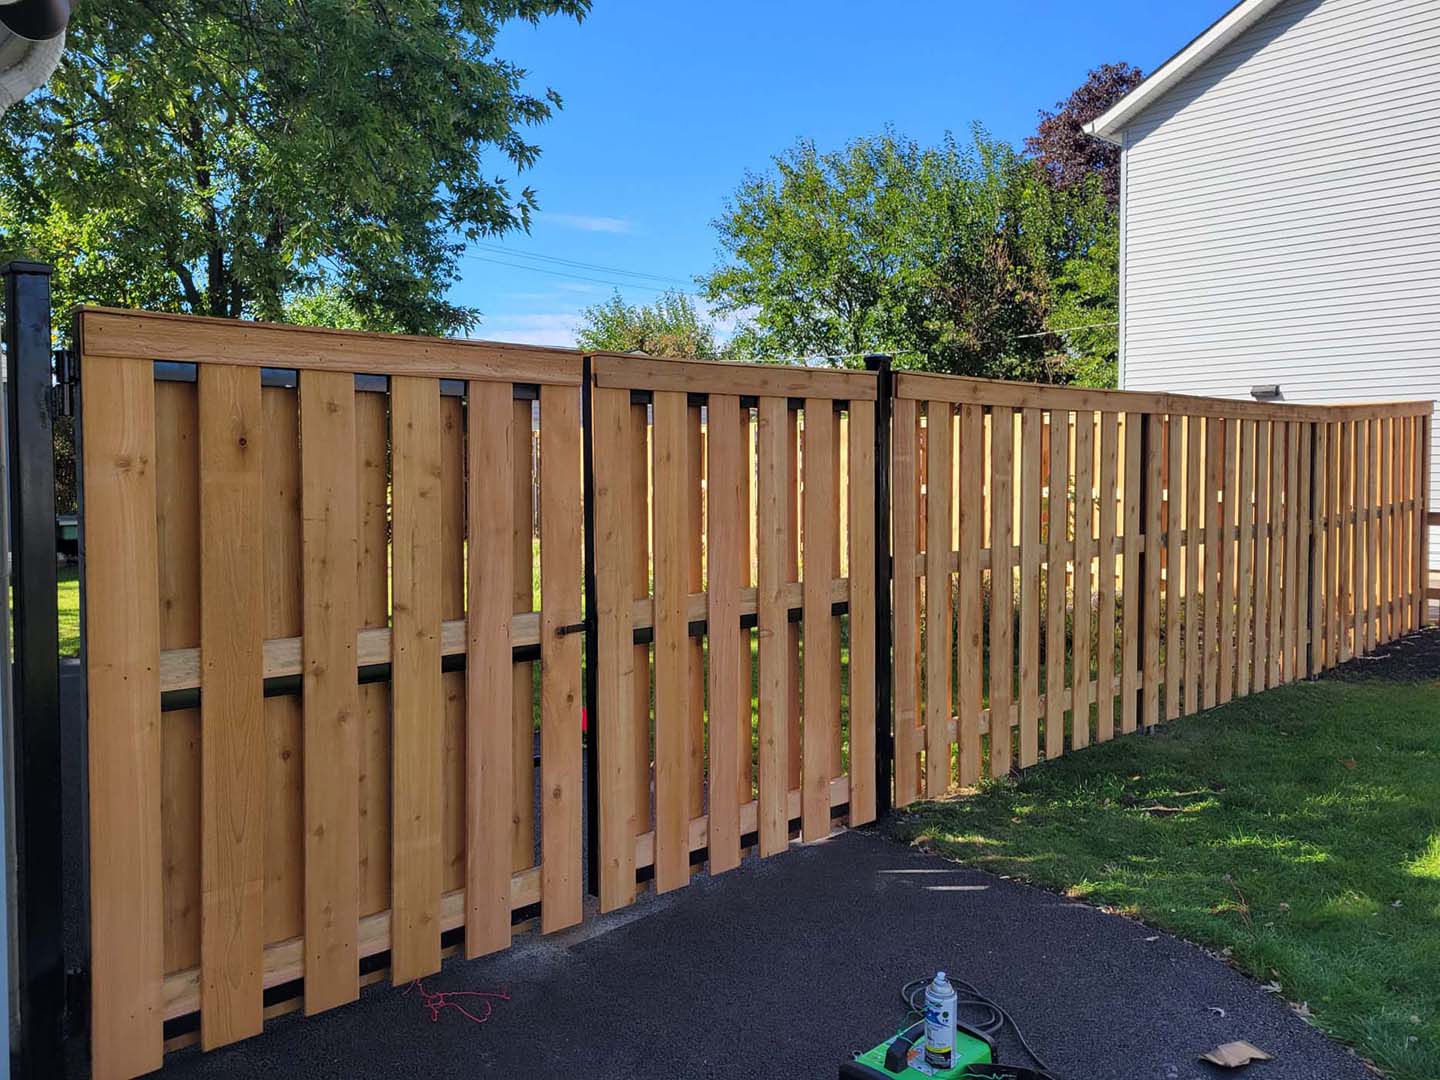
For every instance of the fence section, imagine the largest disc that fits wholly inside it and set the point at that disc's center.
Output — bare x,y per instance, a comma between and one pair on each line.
739,575
334,625
1070,564
303,754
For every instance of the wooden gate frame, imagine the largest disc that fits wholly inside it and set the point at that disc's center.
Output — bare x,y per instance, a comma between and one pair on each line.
798,783
118,351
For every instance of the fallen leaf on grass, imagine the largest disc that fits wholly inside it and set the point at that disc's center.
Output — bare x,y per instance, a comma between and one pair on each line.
1348,762
1233,1055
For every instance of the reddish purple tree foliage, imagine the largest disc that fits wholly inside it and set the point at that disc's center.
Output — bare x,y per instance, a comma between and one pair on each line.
1063,149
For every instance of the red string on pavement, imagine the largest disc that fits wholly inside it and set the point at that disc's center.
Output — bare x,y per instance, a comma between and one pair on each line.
440,1000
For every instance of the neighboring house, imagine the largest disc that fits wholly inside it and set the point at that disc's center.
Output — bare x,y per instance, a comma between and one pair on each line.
1280,207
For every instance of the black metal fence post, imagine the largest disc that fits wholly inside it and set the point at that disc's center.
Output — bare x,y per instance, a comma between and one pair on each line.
884,567
1143,599
592,634
1311,667
35,727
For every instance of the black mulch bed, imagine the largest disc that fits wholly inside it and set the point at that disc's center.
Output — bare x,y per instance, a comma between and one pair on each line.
1413,658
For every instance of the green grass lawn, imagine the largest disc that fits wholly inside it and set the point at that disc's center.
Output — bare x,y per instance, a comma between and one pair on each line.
1297,832
67,595
67,599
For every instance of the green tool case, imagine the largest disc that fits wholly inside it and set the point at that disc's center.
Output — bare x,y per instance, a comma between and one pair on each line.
903,1056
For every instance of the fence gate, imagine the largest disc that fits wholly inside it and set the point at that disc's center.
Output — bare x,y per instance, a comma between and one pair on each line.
735,554
303,755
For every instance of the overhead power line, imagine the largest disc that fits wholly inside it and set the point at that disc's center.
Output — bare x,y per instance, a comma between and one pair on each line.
579,277
1068,329
511,253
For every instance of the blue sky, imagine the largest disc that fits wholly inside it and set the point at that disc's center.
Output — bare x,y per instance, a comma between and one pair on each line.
668,104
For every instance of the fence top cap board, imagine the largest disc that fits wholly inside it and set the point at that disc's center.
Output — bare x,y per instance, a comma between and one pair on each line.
110,332
626,371
924,386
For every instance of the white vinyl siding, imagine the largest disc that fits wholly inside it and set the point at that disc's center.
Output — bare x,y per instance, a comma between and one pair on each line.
1281,213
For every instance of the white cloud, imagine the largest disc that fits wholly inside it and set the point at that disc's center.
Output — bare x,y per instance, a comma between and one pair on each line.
590,222
544,328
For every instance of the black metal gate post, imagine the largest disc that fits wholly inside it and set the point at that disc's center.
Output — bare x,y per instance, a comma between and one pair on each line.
884,571
35,751
592,634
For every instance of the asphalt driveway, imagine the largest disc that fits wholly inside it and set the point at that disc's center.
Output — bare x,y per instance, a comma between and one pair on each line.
785,966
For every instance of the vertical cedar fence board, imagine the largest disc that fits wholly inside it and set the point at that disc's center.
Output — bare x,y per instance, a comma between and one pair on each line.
303,753
335,615
1133,557
751,584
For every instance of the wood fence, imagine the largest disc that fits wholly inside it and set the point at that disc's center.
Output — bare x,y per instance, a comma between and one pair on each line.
338,608
754,474
1070,564
238,535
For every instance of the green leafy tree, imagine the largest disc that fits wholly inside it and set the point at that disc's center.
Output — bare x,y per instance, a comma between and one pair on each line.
325,305
991,236
224,158
819,260
946,256
670,327
1085,308
1085,299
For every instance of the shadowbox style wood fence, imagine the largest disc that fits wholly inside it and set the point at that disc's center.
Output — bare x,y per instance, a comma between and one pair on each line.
385,636
751,473
1070,564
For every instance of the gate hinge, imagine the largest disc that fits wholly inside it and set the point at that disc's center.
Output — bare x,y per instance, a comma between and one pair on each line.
67,381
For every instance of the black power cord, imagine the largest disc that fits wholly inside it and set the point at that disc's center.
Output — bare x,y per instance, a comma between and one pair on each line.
995,1017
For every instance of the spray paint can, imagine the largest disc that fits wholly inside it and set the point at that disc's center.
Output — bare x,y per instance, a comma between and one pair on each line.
940,1022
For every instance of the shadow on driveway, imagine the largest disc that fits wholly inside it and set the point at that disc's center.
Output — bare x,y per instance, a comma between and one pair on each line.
785,966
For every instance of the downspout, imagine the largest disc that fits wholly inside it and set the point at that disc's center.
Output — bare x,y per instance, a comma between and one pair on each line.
1124,276
37,27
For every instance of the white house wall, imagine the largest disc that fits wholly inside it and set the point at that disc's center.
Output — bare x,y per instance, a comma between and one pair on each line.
1282,214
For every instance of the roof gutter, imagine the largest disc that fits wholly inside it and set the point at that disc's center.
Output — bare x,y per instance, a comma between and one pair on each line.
1109,124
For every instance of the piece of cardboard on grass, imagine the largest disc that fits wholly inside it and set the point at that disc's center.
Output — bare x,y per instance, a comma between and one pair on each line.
1234,1055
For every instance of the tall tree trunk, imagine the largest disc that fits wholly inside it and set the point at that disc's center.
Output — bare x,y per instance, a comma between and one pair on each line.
216,287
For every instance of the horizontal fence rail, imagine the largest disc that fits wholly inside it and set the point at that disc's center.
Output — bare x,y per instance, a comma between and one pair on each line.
735,612
1073,564
341,591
